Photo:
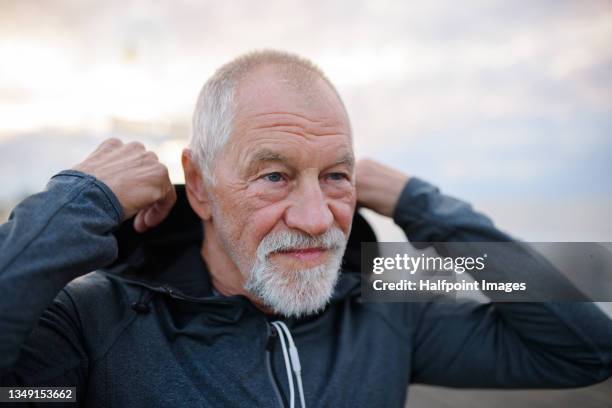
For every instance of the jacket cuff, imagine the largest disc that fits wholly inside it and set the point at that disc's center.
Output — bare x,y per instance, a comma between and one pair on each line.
104,189
413,200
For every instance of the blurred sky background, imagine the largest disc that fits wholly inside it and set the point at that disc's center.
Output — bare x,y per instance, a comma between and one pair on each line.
506,104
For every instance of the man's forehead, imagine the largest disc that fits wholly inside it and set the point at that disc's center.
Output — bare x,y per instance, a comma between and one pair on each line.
269,90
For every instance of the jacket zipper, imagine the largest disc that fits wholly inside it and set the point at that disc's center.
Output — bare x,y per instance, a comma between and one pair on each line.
271,338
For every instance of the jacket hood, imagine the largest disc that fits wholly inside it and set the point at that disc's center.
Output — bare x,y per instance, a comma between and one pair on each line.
163,258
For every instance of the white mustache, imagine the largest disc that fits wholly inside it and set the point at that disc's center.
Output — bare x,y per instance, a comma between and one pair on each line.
293,240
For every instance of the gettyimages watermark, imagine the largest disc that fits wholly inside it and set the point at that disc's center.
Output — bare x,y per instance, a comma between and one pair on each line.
499,271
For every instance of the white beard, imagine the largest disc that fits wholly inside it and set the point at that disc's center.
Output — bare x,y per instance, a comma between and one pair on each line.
295,293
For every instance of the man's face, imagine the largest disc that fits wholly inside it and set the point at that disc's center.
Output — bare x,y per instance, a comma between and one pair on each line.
284,192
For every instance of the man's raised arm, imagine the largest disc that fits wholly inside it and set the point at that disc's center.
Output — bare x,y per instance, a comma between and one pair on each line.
496,344
66,231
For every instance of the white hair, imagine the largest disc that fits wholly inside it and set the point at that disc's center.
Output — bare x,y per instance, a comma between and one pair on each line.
298,292
213,116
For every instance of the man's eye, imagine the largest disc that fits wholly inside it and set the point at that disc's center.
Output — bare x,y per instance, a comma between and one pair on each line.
273,177
337,176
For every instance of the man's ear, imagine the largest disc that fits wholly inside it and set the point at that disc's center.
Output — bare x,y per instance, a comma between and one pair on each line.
194,185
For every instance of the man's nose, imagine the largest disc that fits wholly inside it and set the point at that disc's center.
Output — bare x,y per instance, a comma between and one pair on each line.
310,211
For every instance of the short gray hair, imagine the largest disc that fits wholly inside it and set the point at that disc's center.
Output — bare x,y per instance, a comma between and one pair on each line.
214,113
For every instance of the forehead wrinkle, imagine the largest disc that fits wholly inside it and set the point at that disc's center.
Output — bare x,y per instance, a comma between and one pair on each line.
282,115
295,123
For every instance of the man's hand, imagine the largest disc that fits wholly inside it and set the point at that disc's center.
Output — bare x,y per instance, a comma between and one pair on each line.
379,186
137,178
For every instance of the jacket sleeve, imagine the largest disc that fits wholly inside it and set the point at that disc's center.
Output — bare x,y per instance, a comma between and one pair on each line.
51,238
496,344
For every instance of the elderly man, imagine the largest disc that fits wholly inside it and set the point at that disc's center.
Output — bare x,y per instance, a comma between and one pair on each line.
242,287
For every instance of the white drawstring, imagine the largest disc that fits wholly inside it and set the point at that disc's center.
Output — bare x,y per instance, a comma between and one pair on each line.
293,362
287,364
